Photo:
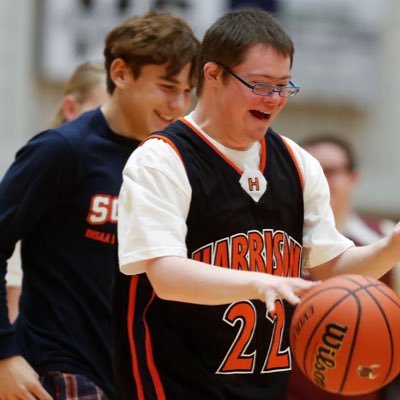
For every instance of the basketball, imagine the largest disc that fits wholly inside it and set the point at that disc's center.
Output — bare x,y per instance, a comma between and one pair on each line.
345,335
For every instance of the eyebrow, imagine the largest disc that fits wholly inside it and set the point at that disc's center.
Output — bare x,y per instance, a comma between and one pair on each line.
273,77
174,81
169,79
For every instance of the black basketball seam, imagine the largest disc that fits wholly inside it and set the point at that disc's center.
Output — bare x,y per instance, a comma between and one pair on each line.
369,283
351,292
346,371
388,329
307,301
379,287
353,280
321,320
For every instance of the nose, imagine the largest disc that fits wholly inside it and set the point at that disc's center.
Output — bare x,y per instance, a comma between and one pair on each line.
273,97
274,92
180,102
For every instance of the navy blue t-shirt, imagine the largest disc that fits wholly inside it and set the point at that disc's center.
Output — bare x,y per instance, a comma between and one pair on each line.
60,198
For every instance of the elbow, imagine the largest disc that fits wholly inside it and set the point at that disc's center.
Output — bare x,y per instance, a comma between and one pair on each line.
160,280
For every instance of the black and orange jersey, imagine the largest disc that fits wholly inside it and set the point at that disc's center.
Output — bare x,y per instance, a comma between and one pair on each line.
173,350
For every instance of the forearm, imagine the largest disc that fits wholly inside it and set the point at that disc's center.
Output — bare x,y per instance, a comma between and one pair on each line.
13,294
186,280
189,281
373,260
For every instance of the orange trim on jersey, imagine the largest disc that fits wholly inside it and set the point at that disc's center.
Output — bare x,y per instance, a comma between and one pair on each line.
150,359
130,319
166,140
263,155
290,150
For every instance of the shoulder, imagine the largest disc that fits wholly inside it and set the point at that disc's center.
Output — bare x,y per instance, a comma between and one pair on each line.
155,153
308,166
305,160
89,121
46,143
156,158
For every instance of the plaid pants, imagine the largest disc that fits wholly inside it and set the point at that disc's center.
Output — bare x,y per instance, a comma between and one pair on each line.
62,386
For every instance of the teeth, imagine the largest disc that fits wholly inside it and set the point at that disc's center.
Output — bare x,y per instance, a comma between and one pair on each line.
166,117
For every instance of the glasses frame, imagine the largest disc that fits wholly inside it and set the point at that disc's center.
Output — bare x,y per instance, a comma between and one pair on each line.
272,88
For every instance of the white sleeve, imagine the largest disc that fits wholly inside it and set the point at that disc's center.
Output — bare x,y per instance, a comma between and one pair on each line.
321,240
153,205
14,269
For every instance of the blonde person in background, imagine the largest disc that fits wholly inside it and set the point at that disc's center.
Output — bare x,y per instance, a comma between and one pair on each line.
85,90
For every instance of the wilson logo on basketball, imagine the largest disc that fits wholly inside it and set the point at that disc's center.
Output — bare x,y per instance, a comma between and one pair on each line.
326,354
273,252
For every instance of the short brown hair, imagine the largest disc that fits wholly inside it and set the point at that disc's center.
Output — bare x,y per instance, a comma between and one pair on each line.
228,39
155,38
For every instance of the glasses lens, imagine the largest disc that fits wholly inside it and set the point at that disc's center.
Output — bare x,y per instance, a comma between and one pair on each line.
288,91
263,89
266,90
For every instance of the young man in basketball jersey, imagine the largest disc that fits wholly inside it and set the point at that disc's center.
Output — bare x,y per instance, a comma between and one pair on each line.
216,213
60,198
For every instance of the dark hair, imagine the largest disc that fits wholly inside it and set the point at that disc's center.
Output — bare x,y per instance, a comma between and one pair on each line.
334,140
228,39
152,39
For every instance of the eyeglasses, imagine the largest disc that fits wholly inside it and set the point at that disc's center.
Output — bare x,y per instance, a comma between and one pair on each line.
265,89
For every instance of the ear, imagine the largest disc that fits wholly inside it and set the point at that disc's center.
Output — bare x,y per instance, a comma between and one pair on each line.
69,107
119,72
213,73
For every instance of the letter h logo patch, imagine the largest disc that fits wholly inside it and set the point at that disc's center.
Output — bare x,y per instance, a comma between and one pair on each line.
253,183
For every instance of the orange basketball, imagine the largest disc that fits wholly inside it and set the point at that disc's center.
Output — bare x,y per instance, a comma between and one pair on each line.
345,335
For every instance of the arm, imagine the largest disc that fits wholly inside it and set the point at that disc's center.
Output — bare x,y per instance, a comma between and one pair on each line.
13,294
14,282
190,281
30,188
373,260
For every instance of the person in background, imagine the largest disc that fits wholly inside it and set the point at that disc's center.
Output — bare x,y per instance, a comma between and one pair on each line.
85,89
60,198
340,167
217,216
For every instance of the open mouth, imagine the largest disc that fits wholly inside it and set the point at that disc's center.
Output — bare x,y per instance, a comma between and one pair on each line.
260,115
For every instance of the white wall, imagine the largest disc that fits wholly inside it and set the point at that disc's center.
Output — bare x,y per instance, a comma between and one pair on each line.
15,75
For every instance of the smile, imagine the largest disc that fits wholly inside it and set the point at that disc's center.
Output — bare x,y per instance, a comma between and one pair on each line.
165,117
260,114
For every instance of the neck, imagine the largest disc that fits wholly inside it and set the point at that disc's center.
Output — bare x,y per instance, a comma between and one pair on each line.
118,123
218,128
